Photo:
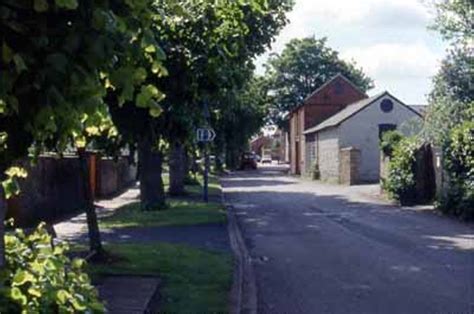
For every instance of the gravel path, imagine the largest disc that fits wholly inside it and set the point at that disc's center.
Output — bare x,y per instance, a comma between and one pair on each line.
320,248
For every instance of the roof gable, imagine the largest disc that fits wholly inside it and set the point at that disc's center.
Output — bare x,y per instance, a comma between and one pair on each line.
329,91
352,110
338,90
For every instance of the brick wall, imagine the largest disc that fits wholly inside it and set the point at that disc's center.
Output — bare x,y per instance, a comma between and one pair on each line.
53,188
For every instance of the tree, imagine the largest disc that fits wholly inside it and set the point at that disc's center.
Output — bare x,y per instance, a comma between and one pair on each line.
452,97
206,43
58,58
448,122
243,117
454,20
303,66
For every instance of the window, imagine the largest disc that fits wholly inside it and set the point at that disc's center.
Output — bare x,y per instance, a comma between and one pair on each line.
385,128
386,105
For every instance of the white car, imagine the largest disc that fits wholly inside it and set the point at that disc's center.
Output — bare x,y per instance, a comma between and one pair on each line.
266,159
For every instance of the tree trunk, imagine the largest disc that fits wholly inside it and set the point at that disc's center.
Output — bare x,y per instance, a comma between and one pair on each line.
152,193
3,211
178,167
95,243
232,158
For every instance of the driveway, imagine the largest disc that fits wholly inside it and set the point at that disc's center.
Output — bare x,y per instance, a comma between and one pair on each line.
320,248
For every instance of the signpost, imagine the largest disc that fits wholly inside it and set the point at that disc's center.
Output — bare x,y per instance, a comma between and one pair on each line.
206,135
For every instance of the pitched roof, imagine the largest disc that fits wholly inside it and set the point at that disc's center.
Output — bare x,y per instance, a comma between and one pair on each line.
338,75
320,88
351,110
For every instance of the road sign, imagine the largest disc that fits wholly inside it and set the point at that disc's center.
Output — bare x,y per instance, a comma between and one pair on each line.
205,135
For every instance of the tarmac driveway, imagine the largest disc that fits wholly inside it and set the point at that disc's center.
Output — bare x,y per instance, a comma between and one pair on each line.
321,248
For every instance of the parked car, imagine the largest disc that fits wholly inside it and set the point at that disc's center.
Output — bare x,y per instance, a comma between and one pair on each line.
248,161
266,159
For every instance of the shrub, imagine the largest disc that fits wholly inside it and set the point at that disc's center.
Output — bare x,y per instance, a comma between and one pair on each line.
459,164
400,182
39,278
390,139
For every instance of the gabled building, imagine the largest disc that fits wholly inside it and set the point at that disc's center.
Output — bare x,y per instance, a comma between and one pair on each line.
330,98
346,146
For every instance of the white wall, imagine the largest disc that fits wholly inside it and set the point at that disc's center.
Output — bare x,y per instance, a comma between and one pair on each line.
362,132
328,154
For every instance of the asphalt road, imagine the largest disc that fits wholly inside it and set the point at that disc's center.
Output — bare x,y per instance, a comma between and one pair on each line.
321,248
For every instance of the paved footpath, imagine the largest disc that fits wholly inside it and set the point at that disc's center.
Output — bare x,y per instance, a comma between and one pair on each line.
319,248
205,236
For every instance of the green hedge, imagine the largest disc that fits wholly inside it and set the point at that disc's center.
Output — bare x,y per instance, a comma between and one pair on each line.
458,163
400,181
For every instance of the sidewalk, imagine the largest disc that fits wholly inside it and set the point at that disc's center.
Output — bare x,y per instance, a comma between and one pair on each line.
75,229
133,284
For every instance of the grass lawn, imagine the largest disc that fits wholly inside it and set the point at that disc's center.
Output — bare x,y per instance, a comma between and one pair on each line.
194,280
179,213
196,189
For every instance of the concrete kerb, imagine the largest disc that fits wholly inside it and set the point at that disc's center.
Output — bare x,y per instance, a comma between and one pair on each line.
243,295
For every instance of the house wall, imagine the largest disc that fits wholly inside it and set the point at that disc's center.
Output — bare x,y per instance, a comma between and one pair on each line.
362,132
319,106
328,154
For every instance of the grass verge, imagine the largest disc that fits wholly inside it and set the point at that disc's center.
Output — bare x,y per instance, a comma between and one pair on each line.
194,280
179,213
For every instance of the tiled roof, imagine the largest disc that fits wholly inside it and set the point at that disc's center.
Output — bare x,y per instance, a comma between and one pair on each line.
348,112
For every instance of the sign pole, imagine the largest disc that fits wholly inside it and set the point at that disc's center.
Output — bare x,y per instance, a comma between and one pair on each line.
206,174
205,136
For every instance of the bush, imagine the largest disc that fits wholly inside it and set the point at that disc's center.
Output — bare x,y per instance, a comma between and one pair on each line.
459,164
389,141
39,278
400,182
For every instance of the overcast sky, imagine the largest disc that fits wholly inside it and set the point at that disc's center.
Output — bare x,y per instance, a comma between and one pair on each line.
389,39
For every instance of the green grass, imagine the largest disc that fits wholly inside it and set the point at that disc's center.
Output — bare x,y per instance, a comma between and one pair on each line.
196,189
194,280
179,213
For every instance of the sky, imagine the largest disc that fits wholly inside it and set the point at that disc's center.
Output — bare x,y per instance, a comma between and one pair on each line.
389,39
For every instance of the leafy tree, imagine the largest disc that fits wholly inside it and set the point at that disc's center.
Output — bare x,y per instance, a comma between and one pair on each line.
448,120
454,20
303,66
58,58
206,44
244,116
452,96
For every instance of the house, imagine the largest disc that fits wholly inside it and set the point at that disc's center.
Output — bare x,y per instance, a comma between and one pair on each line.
345,147
274,143
324,102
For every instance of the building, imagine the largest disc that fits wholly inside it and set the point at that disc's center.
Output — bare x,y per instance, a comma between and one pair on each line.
346,146
324,102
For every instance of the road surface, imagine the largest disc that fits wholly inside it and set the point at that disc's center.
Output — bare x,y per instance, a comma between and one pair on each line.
320,248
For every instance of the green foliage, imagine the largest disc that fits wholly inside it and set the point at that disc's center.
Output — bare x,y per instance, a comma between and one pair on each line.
459,164
389,141
400,182
39,278
303,66
10,184
454,19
